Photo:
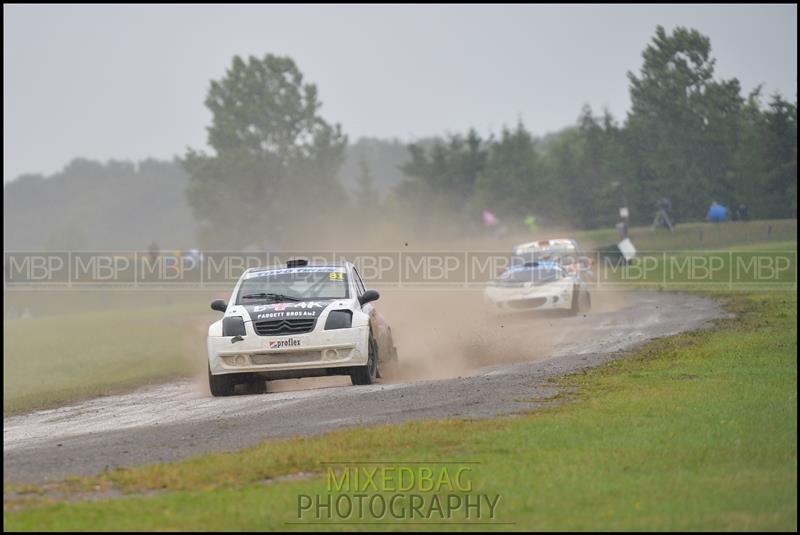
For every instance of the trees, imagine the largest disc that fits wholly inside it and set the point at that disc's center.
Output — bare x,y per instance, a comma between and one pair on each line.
588,172
91,205
696,139
384,157
780,148
511,182
682,127
683,138
271,172
688,135
572,179
766,163
275,158
441,180
366,195
451,167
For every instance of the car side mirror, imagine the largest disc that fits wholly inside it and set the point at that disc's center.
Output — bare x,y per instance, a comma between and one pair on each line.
368,297
219,305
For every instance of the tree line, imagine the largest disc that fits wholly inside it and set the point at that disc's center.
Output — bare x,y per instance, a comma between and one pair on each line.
276,169
688,136
90,205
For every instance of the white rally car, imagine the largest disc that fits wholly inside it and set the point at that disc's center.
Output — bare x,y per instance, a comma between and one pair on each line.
294,321
563,251
538,286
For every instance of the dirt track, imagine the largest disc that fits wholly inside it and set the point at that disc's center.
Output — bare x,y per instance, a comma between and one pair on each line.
177,420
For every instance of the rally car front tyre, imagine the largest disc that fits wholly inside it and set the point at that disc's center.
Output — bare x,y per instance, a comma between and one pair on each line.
256,386
221,385
367,375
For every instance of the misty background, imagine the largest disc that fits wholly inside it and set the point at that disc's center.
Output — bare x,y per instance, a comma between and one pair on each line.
431,114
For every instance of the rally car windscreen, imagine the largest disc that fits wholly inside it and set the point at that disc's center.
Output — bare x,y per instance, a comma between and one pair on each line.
563,256
293,285
534,275
562,252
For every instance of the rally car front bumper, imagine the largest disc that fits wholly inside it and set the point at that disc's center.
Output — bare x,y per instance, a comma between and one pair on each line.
546,296
318,350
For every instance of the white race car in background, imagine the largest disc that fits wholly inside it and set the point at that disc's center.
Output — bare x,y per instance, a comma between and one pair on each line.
563,251
297,321
538,286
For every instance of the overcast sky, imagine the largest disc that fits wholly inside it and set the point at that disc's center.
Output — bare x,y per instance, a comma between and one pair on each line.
129,82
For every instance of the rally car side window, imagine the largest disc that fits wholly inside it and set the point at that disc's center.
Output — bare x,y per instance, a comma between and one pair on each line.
360,288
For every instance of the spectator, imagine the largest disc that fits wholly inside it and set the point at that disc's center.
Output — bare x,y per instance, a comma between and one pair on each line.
742,213
663,214
717,213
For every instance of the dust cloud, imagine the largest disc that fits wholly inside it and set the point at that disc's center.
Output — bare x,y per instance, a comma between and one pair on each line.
451,333
440,333
446,334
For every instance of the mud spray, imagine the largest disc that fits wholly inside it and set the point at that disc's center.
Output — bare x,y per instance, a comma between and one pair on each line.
448,333
443,334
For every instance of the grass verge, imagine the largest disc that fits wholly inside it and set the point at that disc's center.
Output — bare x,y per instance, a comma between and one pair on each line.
756,267
693,432
46,358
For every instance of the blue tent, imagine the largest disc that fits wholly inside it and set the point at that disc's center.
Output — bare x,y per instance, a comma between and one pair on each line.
717,213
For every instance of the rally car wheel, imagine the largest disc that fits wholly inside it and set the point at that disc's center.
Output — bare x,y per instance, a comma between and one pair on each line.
257,386
220,385
367,375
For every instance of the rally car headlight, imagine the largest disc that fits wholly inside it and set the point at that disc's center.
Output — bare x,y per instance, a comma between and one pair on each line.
339,319
233,326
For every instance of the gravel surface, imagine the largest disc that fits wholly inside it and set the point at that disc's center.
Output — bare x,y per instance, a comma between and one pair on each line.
177,420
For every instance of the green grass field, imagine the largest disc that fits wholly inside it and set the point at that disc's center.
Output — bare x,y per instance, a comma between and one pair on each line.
52,359
698,236
767,267
693,432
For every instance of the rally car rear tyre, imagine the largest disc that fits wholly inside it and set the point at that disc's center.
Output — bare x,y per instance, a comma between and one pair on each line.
220,385
367,375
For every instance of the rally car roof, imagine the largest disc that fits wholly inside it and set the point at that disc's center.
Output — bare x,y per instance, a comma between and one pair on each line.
541,265
558,244
298,266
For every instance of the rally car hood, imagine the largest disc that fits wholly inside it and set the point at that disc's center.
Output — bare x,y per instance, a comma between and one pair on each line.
288,309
